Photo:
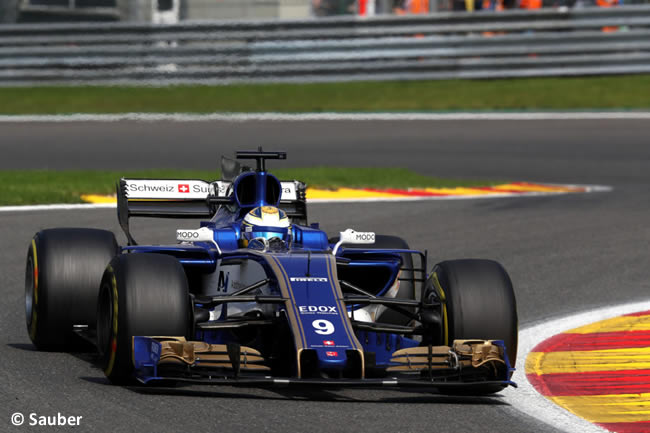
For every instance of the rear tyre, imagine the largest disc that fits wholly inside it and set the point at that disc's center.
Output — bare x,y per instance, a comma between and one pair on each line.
480,304
62,277
141,295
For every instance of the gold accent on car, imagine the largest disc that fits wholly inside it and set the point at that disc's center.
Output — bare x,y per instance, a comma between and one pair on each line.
177,350
461,354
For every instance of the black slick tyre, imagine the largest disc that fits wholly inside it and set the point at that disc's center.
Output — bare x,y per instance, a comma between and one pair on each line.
479,303
141,295
62,277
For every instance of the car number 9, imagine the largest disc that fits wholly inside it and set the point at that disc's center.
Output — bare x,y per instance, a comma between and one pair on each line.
323,327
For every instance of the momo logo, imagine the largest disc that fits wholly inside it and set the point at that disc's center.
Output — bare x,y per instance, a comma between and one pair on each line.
184,188
309,279
321,309
368,236
203,234
187,234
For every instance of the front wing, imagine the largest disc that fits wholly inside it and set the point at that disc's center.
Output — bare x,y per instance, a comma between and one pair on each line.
466,365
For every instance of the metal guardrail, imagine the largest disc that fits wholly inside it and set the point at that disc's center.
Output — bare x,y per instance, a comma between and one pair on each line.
446,45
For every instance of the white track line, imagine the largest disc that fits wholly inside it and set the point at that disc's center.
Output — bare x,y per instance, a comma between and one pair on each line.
242,117
526,399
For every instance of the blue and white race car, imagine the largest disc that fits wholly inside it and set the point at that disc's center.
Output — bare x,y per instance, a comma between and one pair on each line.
256,296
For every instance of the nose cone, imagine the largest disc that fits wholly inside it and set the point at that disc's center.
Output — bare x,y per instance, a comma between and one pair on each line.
331,359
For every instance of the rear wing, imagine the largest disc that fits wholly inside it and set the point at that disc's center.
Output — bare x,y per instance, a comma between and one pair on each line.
191,198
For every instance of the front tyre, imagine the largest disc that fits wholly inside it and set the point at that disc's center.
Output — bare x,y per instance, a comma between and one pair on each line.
141,295
62,277
478,303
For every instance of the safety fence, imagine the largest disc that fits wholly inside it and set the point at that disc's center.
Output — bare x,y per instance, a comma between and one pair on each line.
444,45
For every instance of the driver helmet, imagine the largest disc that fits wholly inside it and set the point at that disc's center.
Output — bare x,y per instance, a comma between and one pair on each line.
267,222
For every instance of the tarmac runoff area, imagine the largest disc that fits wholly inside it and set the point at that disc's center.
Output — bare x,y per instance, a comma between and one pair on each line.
516,189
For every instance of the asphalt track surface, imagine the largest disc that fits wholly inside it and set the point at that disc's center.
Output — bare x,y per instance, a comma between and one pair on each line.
565,254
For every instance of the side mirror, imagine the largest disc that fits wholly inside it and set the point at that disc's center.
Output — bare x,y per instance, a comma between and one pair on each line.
203,234
353,237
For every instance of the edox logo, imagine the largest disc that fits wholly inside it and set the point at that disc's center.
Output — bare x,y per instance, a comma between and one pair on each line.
320,309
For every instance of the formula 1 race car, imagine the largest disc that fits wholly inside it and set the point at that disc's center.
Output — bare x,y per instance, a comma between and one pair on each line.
258,297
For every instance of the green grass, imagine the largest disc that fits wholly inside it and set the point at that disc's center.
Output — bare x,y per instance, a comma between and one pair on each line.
22,187
619,92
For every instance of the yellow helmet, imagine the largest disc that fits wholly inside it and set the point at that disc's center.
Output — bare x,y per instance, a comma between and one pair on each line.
266,222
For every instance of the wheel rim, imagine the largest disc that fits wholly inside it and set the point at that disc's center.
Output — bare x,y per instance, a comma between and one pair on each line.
29,290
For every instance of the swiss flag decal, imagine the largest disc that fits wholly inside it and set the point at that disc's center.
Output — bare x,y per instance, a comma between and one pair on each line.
332,353
328,343
183,187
